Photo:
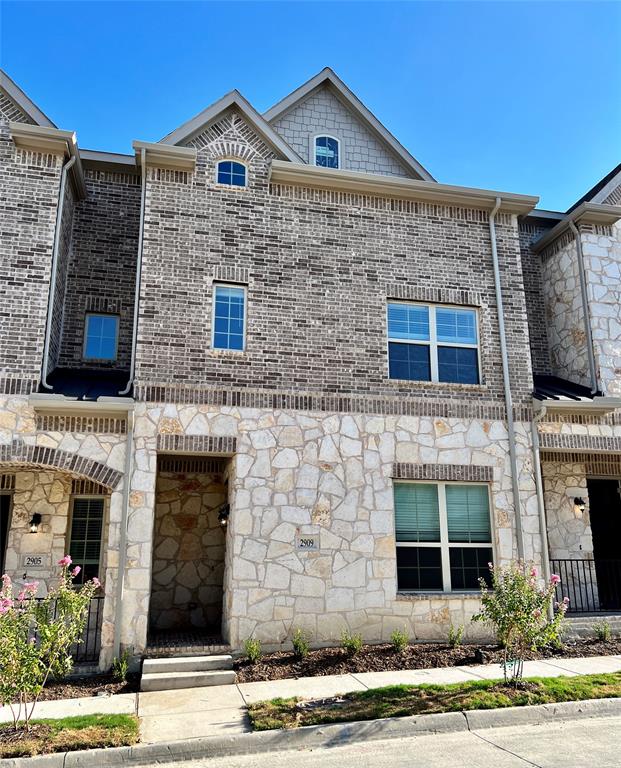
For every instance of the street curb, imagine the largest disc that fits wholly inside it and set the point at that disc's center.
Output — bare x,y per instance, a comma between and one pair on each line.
317,736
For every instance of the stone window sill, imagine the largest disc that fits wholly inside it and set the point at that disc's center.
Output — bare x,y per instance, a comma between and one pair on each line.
434,595
234,353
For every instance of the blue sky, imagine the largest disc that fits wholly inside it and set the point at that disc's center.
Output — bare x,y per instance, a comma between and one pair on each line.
521,97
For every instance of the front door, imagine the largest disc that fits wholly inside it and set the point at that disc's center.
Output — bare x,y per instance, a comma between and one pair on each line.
605,513
5,509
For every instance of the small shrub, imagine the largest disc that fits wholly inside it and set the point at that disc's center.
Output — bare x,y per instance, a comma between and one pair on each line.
300,643
399,641
602,631
252,649
351,643
120,666
517,607
455,635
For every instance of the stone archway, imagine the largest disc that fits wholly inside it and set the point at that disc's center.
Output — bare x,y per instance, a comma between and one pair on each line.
19,454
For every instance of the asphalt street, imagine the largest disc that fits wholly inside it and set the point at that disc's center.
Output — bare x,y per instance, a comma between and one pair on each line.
584,743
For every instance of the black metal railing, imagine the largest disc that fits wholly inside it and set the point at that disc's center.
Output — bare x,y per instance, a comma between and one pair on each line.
87,650
592,586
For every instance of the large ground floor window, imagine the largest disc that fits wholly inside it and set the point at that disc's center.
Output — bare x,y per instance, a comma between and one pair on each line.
444,538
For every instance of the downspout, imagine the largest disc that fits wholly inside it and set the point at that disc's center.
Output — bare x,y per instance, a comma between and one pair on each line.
143,198
120,584
50,299
507,384
585,308
543,527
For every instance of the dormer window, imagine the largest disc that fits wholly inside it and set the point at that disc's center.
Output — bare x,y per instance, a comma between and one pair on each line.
327,152
232,173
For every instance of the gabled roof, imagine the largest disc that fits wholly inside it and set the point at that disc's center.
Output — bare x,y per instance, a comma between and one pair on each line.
23,102
233,99
602,189
353,103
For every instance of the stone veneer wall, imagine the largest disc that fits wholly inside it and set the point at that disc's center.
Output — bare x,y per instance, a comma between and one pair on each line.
602,261
564,311
188,551
569,532
48,493
329,474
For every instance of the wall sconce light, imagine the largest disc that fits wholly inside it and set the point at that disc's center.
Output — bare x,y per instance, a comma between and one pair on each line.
579,505
223,515
35,522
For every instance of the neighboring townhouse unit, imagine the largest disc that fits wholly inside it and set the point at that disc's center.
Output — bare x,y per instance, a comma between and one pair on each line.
267,373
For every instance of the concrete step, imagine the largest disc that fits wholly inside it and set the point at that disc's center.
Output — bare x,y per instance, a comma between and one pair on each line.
187,664
164,681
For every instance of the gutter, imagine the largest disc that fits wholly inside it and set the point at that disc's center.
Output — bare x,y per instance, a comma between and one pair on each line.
143,200
50,298
507,384
585,307
282,172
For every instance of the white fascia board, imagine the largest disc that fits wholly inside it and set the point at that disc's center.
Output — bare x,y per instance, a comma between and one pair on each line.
233,99
44,403
43,139
399,187
589,213
23,102
610,187
350,100
165,156
598,405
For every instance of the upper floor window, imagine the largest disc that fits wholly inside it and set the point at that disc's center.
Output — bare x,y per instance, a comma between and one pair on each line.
230,172
101,335
327,152
432,343
444,537
85,539
229,317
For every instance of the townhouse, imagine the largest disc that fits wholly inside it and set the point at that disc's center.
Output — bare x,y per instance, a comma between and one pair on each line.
268,373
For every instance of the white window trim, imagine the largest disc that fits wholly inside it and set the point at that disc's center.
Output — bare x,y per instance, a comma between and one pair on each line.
433,342
444,543
244,288
104,524
313,156
116,337
230,160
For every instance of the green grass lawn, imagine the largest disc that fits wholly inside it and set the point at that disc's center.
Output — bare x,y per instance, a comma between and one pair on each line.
403,700
68,734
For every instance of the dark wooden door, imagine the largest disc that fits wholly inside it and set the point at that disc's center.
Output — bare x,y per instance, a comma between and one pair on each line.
605,513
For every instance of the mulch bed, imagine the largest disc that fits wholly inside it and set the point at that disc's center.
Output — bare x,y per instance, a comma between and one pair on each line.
89,685
9,737
381,658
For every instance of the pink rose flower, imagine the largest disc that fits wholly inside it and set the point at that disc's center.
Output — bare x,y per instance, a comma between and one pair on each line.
555,579
6,580
75,571
96,582
31,587
65,561
533,573
537,613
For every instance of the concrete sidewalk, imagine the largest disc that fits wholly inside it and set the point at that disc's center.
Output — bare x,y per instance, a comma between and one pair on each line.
221,710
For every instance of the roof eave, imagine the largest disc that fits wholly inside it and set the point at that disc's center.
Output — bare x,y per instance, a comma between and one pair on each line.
53,140
587,213
398,187
198,123
327,75
27,106
165,155
596,406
